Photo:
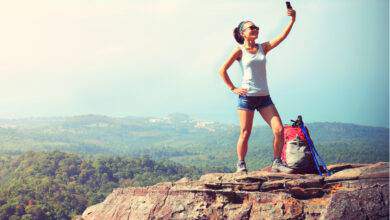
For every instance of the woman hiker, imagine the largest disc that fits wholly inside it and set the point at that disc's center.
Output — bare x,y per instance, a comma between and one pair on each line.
253,93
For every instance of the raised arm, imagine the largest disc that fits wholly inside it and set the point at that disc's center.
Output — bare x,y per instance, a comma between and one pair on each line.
269,45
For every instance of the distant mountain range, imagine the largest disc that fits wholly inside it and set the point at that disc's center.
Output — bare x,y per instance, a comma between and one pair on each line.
183,139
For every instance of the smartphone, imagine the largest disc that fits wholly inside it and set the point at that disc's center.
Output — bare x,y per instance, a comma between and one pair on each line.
288,5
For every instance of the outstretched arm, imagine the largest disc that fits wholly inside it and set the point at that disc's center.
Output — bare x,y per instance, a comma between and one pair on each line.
269,45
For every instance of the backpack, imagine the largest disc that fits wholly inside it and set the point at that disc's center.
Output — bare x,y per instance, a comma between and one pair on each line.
298,150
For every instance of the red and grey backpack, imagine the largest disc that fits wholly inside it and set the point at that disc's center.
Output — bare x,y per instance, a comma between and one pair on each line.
298,150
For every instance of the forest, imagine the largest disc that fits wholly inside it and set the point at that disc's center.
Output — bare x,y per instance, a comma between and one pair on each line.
54,168
58,185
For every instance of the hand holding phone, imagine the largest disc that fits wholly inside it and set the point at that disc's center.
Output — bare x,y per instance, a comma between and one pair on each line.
288,5
290,10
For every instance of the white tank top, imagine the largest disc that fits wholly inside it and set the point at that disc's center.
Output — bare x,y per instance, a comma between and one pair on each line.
254,72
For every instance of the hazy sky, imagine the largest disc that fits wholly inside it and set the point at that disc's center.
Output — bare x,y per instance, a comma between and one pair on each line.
152,58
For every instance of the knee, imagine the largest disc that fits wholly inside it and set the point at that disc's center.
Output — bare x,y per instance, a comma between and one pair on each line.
278,131
245,133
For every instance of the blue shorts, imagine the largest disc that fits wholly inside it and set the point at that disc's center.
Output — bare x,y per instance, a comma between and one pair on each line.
253,103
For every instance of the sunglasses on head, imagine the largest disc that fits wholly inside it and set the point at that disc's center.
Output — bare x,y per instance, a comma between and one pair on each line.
252,27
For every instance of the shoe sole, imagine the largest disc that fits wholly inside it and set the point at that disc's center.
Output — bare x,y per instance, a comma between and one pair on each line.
288,172
284,171
241,171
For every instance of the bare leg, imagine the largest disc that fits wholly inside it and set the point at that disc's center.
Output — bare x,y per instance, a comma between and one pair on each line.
271,116
246,121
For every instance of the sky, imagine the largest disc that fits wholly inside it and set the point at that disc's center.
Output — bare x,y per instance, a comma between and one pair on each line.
152,58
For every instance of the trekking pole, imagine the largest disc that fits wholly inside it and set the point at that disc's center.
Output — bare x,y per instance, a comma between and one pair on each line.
314,155
314,152
322,161
299,123
319,156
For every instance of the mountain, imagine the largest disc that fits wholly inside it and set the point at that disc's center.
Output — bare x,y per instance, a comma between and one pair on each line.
183,139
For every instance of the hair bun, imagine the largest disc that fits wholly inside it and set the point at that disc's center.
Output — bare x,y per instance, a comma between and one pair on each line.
237,35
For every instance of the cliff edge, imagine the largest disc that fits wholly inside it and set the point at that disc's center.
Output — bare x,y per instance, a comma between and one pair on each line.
354,191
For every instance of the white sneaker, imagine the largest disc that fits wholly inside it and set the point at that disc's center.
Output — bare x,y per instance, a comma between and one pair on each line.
241,167
278,166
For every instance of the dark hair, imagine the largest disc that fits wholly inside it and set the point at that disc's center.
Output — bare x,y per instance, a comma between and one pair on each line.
236,33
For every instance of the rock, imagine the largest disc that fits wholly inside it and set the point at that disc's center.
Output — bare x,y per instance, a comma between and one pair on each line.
354,191
183,180
77,217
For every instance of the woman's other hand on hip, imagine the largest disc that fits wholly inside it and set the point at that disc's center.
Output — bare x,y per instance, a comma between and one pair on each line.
240,91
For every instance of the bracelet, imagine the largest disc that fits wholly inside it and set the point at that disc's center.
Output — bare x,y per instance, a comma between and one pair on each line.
232,88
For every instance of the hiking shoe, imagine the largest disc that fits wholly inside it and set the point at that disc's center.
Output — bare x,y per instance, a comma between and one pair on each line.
278,166
241,167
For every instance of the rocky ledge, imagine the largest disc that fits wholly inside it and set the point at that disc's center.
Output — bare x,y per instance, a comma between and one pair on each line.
354,191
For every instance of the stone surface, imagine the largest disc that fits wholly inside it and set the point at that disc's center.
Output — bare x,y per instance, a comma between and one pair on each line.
354,191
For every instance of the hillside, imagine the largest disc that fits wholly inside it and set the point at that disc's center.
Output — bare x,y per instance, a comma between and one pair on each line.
183,139
58,185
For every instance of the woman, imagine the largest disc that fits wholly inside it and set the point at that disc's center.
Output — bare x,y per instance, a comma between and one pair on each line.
253,93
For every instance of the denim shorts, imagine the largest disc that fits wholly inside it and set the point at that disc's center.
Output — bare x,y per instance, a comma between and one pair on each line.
253,103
